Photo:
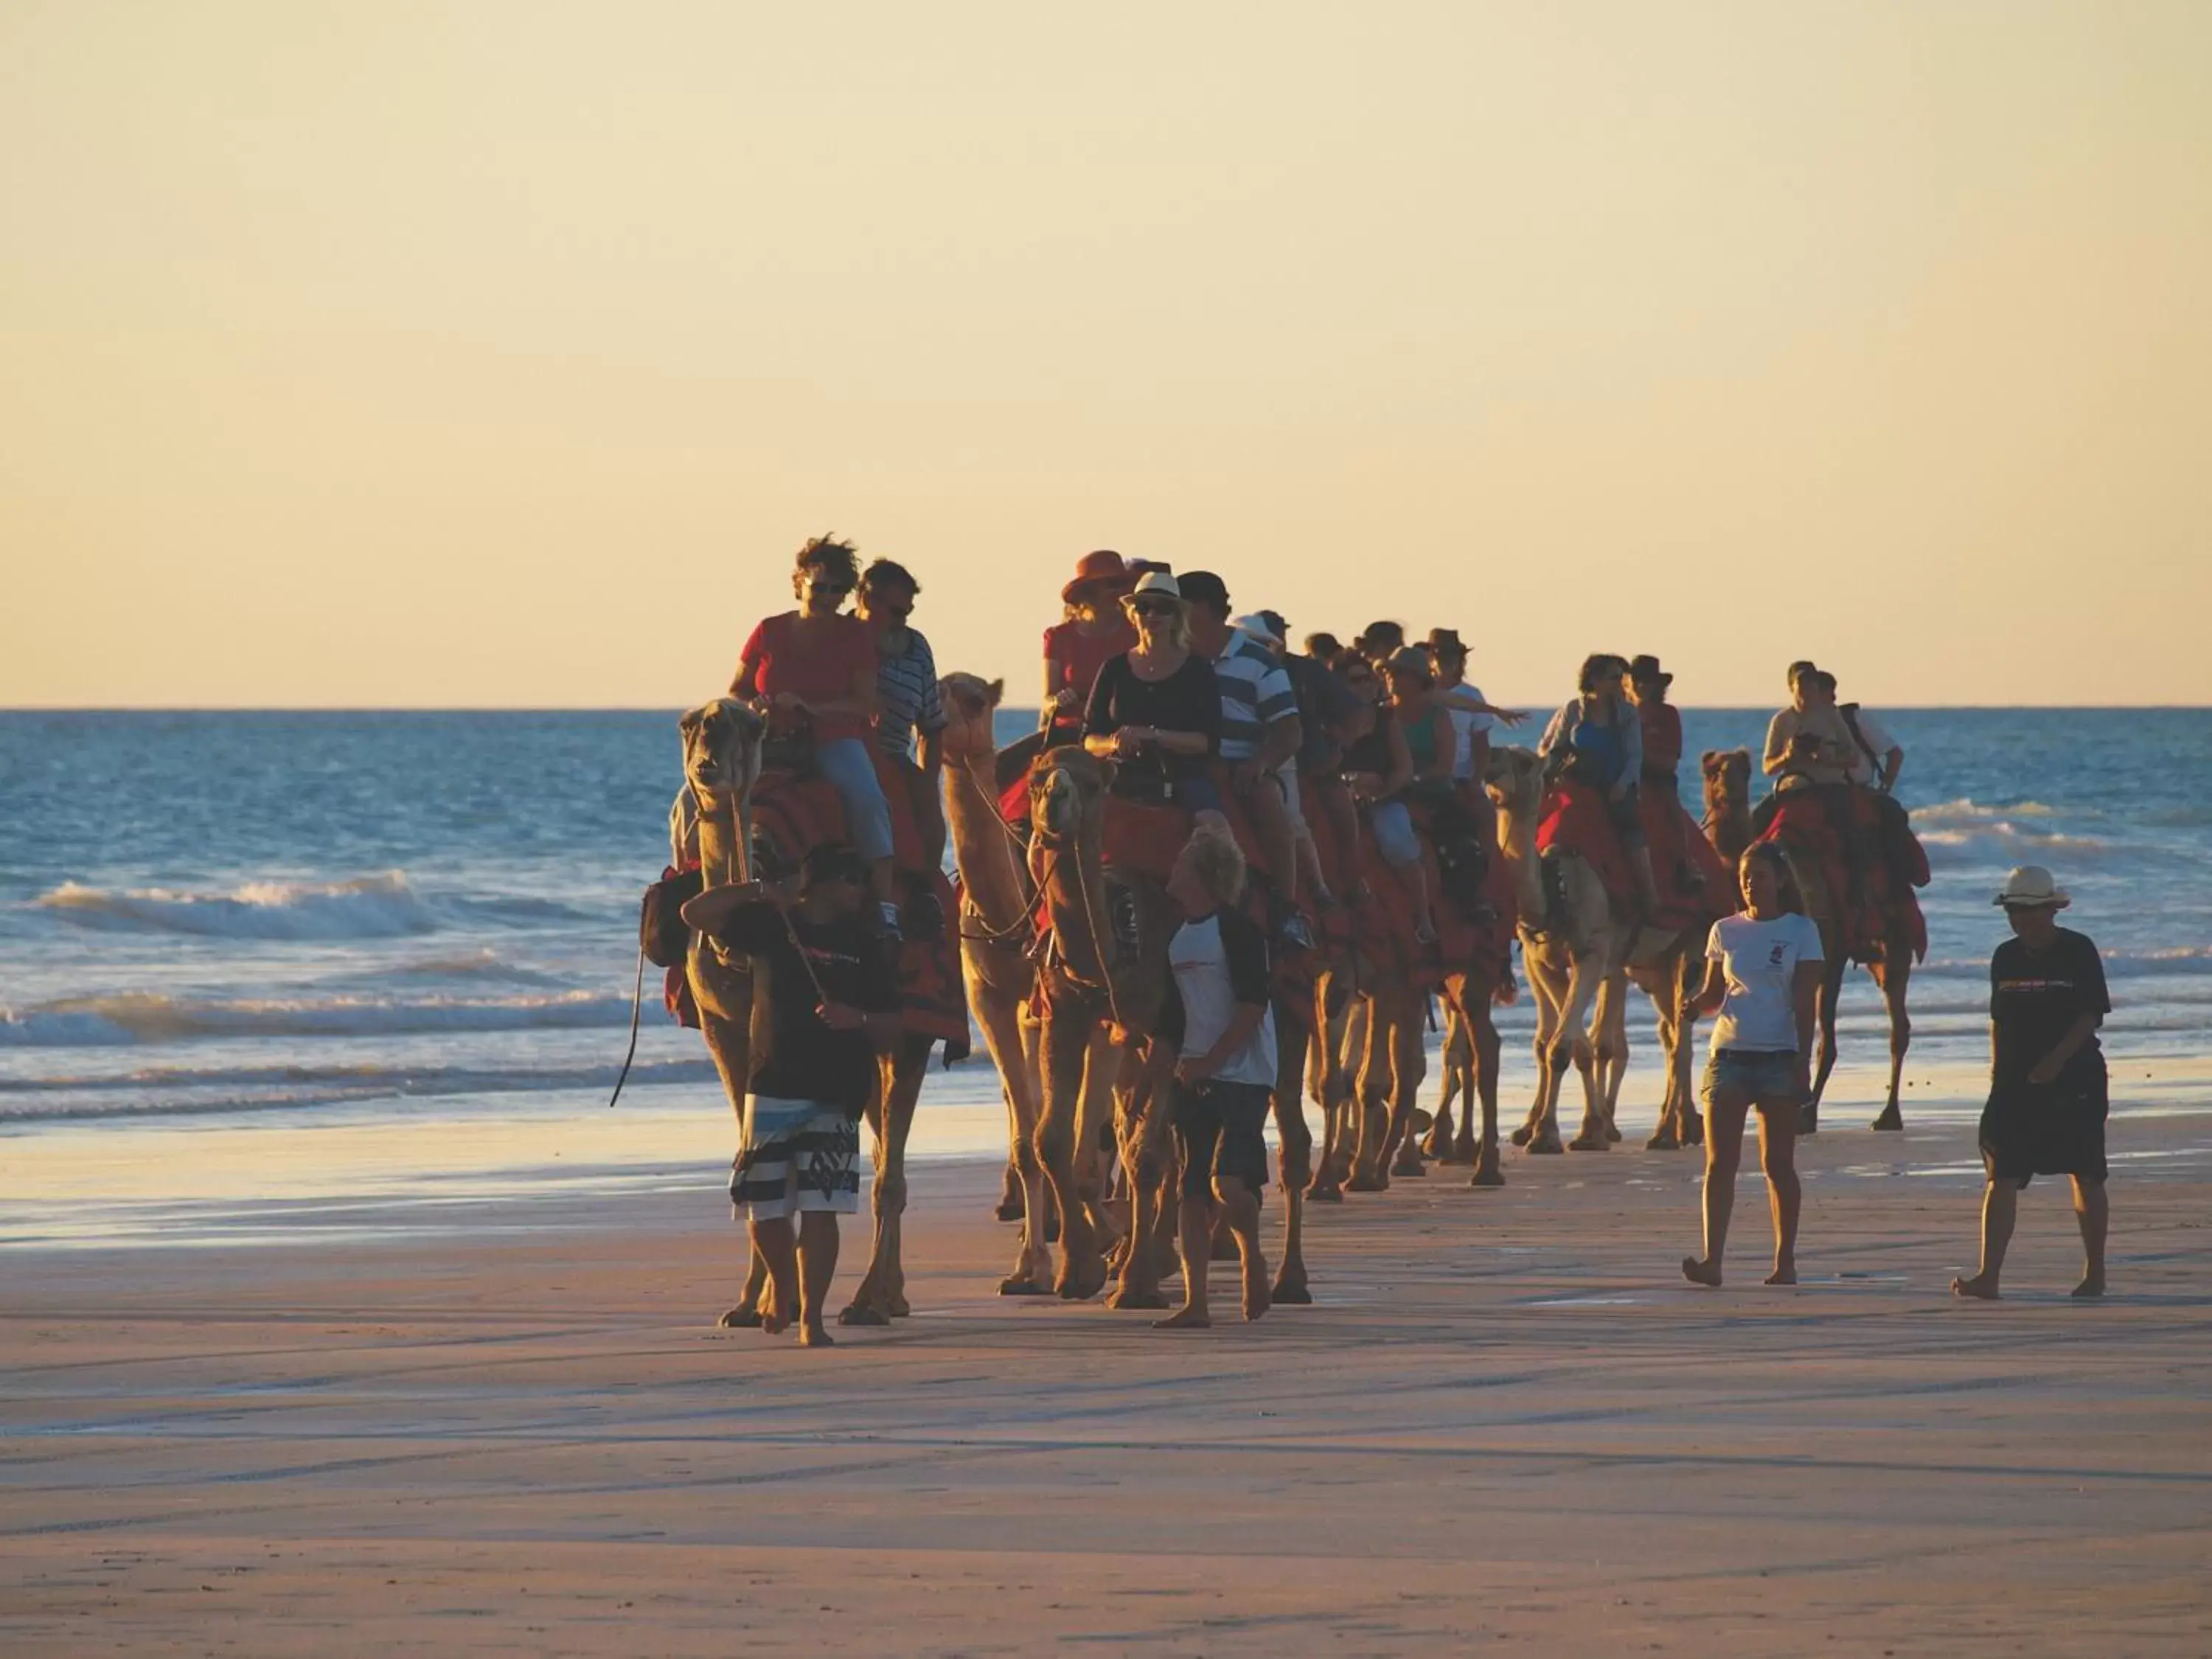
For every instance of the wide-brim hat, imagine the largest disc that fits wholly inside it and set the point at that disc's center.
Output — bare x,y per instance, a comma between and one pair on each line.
1154,583
1647,668
1258,627
2030,887
1445,642
1102,575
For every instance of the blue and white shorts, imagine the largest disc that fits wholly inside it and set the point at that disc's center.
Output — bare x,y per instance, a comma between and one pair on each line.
795,1156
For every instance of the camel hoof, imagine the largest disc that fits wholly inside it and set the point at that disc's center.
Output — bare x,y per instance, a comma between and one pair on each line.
740,1319
1487,1174
1611,1133
1367,1183
861,1313
1589,1144
1420,1120
896,1305
1129,1299
1891,1118
1010,1209
1410,1168
1664,1141
1287,1295
1328,1192
1522,1136
1545,1144
1022,1285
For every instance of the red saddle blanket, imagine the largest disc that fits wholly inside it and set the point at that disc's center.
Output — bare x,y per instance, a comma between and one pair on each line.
1802,822
1693,882
794,813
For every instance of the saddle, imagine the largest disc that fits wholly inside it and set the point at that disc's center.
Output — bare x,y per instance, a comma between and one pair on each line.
1865,890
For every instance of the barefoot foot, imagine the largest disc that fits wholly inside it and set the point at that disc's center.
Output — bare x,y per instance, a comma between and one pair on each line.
1980,1288
2091,1287
1256,1298
1785,1273
1699,1270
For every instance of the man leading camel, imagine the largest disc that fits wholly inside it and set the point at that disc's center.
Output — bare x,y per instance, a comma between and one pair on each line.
1259,735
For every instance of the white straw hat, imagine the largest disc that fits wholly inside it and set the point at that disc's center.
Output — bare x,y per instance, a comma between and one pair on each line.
1154,583
2031,888
1256,627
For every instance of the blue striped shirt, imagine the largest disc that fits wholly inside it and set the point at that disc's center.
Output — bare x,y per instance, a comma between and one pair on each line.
906,695
1255,693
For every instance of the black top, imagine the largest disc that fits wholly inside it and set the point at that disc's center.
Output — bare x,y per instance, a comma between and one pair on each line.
2034,996
1372,752
1324,700
1189,700
802,1058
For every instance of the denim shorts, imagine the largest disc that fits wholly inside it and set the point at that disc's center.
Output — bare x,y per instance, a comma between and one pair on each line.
1767,1076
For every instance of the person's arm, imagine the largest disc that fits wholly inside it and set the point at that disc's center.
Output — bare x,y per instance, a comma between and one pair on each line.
1401,762
929,719
1712,991
745,682
1283,732
2084,1027
1199,730
1101,736
1244,949
1805,994
1234,1035
1777,747
1555,729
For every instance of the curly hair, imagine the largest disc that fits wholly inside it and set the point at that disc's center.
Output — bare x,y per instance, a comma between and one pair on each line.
883,573
1213,859
1598,667
830,556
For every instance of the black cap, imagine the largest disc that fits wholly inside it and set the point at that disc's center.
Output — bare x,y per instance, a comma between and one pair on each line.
1203,587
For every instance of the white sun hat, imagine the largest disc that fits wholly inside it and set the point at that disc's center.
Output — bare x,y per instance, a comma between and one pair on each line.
1256,627
2031,888
1154,583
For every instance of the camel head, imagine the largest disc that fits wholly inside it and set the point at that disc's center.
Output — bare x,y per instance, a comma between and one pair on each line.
1067,795
721,752
1728,780
970,701
1514,779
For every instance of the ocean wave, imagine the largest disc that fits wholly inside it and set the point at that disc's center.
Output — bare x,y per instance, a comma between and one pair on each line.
177,1092
482,966
1965,810
368,907
2009,842
99,1022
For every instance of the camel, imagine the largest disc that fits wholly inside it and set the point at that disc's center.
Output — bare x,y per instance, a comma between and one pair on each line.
994,935
1103,994
721,766
1726,821
1889,957
1580,963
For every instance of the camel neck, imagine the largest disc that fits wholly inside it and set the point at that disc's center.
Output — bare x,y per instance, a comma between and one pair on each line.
981,846
1075,894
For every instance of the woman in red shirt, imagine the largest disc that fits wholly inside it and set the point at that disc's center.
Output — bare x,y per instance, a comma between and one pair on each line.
1094,632
814,669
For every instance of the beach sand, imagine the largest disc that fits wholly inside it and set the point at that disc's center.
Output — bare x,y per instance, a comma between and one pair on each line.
507,1425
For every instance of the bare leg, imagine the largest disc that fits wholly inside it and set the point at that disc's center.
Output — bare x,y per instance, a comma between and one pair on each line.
1785,1195
1241,1206
1195,1229
1271,821
2000,1205
774,1242
817,1262
1724,1152
2093,1211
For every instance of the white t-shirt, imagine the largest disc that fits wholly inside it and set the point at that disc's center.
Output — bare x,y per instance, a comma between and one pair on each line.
1864,769
1217,967
1760,960
1466,722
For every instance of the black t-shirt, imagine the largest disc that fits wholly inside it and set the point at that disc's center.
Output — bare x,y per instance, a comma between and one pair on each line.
1324,702
1372,752
804,1059
2034,996
1189,700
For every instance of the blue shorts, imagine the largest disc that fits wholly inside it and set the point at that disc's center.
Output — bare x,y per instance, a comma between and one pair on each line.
1393,833
1768,1076
1197,794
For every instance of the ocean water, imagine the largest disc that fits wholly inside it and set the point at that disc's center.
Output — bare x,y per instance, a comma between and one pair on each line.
338,918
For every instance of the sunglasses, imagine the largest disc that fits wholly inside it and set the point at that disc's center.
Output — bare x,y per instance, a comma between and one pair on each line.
1151,607
818,585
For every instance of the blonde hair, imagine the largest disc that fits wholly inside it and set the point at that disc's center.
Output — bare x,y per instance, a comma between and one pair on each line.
1177,627
1213,859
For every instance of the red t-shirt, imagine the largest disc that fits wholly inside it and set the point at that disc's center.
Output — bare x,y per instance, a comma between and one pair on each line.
1663,736
1076,657
821,670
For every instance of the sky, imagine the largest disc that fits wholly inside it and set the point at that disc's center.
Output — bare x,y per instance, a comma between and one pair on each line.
502,354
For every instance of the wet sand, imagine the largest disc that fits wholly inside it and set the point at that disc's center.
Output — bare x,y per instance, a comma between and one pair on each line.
509,1426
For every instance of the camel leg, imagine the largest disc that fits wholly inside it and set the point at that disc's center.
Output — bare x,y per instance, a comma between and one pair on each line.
1574,1045
1295,1161
1489,1048
1831,996
1060,1125
1891,974
1002,1035
1331,1085
1409,1065
881,1296
1607,1042
1370,1115
1457,1059
1140,1117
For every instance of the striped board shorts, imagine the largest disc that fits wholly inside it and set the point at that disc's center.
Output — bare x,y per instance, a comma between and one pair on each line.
794,1157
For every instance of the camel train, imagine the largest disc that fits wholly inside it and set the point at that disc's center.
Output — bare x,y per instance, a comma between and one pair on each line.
1062,947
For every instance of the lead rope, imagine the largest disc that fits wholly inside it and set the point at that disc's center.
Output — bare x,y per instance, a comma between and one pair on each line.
1021,922
636,1011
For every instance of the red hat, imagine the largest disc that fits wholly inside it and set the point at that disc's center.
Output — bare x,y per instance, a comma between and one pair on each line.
1104,570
